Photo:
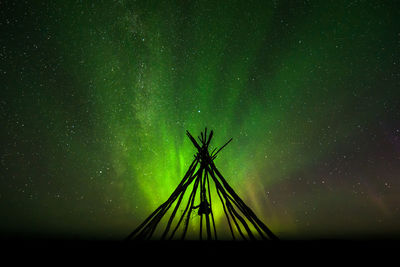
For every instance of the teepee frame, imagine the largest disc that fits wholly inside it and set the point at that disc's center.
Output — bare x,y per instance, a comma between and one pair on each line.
239,216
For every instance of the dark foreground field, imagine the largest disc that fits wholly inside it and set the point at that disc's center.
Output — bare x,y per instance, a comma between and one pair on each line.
318,252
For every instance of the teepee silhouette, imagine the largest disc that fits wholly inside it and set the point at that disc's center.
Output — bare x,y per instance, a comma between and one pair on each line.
242,222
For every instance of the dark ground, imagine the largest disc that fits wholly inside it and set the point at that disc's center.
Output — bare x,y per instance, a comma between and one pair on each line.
318,252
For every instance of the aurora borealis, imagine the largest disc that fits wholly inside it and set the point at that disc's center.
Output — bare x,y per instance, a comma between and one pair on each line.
97,95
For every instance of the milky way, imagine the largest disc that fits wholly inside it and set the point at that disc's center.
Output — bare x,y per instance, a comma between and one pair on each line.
96,98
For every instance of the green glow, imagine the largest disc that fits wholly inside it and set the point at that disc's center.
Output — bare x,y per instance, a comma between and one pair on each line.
235,77
307,90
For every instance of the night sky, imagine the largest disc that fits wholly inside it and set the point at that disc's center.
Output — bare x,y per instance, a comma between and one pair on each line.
96,97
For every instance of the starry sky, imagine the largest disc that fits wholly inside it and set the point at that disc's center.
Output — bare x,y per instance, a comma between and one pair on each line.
96,97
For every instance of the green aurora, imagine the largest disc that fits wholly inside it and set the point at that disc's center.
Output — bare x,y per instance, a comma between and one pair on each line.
98,96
